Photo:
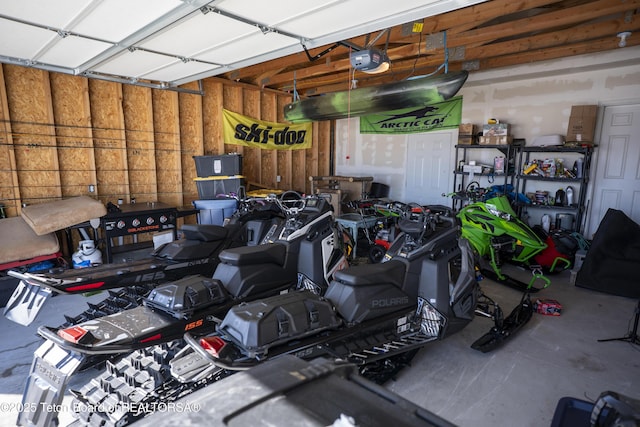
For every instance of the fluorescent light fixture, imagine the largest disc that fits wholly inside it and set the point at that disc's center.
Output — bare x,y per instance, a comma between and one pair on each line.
371,61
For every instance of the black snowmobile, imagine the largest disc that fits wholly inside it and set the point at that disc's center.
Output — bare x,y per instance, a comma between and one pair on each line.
302,249
195,253
374,315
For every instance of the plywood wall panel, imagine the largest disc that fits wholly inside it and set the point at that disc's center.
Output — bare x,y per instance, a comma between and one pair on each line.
141,161
9,186
30,108
232,101
191,137
285,158
166,123
319,159
252,159
269,158
212,104
107,120
72,115
61,133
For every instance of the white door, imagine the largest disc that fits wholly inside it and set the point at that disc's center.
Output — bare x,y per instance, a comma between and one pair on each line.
616,179
429,168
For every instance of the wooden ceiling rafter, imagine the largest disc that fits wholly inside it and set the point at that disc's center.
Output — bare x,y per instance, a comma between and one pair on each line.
488,35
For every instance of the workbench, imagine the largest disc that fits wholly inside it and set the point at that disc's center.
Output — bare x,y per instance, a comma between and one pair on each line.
341,188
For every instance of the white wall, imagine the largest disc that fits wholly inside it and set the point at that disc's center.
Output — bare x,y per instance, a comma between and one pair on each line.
535,99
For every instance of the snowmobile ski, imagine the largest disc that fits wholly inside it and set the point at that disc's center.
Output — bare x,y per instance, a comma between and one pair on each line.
504,329
510,281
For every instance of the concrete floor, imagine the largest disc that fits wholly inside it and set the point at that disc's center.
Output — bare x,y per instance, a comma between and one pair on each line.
519,384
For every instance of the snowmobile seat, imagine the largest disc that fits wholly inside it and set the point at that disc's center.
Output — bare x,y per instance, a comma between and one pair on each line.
204,232
272,253
392,272
369,291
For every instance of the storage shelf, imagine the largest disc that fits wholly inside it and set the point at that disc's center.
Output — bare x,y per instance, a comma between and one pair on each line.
554,207
482,174
461,179
526,153
556,149
551,179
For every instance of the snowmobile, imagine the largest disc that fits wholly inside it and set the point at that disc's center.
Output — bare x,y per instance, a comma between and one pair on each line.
303,249
386,228
196,253
498,235
376,316
425,266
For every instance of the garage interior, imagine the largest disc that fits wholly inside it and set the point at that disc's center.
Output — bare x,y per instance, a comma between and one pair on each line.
116,109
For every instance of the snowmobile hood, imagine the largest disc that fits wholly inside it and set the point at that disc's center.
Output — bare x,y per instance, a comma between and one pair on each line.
496,217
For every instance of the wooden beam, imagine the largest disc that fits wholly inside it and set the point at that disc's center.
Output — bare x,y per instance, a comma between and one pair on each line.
556,19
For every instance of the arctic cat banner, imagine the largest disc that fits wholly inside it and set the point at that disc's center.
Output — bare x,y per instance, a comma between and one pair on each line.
438,116
243,130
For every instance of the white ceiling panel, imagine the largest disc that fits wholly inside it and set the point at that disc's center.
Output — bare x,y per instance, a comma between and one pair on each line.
346,15
179,69
72,51
166,42
58,14
198,33
115,20
25,41
134,64
248,47
272,13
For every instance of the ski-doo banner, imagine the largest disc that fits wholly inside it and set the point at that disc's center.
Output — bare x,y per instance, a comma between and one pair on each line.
438,116
243,130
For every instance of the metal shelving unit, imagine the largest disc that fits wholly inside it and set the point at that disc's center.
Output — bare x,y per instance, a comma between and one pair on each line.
462,179
524,181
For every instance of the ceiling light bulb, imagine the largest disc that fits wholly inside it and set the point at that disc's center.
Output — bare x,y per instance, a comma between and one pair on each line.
623,38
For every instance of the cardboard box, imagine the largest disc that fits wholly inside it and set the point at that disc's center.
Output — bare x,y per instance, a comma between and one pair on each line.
466,140
467,129
495,140
582,123
496,129
549,307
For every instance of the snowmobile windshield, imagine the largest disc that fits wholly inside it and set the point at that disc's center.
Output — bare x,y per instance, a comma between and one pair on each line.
493,209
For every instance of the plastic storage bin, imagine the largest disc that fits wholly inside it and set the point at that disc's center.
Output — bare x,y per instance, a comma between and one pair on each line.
215,211
213,187
223,165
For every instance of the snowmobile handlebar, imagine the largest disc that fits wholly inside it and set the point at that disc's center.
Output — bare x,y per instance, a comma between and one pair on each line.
290,207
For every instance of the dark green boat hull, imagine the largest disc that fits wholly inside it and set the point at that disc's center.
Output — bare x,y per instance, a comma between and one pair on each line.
418,92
